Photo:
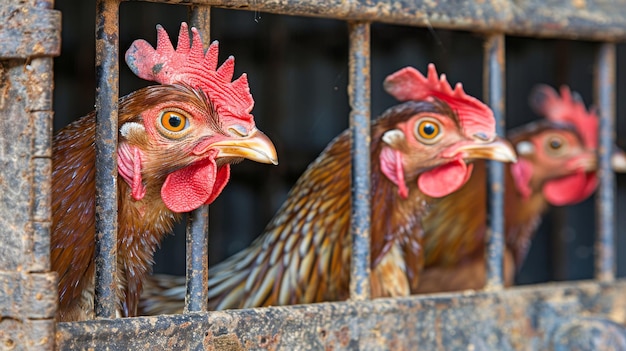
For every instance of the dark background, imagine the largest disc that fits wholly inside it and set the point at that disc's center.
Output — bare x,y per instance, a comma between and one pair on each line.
298,73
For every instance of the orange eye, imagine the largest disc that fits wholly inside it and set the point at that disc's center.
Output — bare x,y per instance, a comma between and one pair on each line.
173,121
427,131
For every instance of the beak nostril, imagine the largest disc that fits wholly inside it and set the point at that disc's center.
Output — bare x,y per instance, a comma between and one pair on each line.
482,136
238,130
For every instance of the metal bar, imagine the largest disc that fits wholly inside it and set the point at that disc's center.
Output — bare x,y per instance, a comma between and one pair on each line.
605,198
29,31
107,92
197,297
494,96
522,318
590,20
359,94
200,17
29,37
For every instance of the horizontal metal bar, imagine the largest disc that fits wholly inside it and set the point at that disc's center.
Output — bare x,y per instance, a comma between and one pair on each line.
519,318
494,96
359,93
30,334
107,93
593,20
605,198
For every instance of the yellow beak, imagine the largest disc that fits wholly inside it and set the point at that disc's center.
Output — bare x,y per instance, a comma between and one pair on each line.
497,150
256,147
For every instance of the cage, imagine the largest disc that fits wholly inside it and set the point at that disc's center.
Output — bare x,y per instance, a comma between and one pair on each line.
361,42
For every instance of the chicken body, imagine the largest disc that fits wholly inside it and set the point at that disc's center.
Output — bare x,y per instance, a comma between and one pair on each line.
303,256
175,147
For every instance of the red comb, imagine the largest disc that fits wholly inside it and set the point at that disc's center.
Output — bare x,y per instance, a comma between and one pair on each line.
566,109
190,65
409,84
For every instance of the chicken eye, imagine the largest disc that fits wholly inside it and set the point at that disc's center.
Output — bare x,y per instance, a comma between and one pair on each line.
555,145
173,121
427,131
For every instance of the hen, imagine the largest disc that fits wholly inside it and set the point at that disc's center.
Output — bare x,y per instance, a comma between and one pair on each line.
556,166
419,149
176,141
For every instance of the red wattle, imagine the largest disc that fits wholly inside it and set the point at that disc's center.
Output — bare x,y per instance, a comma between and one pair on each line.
223,174
129,160
391,166
190,187
522,171
445,179
571,189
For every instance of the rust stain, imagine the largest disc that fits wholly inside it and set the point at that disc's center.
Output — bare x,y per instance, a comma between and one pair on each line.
323,334
343,336
269,342
224,342
5,85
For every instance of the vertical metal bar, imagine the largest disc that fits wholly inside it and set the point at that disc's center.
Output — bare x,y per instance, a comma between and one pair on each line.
200,17
494,96
359,93
196,298
605,197
107,91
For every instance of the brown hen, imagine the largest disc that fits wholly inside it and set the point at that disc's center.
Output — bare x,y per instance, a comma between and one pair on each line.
176,141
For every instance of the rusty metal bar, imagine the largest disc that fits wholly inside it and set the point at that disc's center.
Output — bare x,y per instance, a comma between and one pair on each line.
605,198
494,96
107,93
29,31
359,94
591,20
196,299
200,17
197,295
522,318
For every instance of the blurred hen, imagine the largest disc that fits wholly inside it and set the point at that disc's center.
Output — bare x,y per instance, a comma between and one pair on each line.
556,166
